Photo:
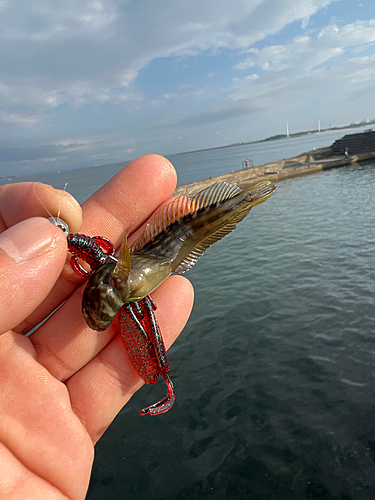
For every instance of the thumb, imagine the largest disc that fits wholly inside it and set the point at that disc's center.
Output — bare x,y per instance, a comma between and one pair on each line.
32,255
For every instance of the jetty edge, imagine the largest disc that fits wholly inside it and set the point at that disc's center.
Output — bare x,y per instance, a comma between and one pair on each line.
350,149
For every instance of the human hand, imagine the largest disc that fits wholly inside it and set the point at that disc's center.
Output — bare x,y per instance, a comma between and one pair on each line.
61,387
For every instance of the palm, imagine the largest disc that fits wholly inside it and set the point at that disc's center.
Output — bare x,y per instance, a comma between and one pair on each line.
63,386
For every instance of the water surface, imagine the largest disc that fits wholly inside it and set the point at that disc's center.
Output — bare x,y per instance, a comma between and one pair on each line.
274,372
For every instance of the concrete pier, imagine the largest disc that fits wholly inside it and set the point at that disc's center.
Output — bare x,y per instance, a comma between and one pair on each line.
304,164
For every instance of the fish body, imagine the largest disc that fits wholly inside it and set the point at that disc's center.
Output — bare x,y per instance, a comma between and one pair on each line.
173,240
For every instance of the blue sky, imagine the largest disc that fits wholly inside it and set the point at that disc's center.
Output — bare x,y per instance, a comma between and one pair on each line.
89,82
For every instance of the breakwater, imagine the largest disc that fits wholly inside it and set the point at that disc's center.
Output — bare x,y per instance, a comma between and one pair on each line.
335,156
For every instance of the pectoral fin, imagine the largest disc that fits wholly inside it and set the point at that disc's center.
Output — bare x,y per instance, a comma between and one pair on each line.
121,272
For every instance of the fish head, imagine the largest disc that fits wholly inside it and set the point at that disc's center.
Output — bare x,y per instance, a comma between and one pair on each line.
107,290
102,299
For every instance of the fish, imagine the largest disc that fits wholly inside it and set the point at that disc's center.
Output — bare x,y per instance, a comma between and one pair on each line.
172,242
175,237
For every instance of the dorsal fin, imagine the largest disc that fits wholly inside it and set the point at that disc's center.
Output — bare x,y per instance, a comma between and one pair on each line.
180,207
164,217
219,191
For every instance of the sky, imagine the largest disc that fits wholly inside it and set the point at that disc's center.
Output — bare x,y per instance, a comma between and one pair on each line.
93,82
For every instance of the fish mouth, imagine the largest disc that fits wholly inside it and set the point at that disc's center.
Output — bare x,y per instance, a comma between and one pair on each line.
260,192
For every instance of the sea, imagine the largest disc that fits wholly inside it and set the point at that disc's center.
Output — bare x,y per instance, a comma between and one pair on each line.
275,370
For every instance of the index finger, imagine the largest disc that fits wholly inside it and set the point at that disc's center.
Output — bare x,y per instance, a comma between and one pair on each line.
127,200
119,207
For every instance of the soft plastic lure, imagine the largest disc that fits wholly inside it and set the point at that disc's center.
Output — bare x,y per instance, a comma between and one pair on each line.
173,240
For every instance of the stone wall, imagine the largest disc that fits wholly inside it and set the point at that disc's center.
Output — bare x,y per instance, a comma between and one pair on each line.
361,143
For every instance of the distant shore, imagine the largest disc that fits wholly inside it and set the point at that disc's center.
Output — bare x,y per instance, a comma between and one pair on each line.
284,136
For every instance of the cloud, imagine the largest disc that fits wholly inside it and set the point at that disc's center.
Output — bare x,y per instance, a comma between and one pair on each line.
17,119
311,61
312,49
71,71
90,51
31,153
213,116
59,45
41,21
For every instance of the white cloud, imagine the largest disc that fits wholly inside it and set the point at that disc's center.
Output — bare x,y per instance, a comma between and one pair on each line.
109,42
65,63
17,119
303,53
40,21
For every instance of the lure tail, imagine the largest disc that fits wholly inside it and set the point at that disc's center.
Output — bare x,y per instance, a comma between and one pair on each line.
165,403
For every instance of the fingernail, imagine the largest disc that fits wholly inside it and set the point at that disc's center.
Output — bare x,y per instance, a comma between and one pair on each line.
27,239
